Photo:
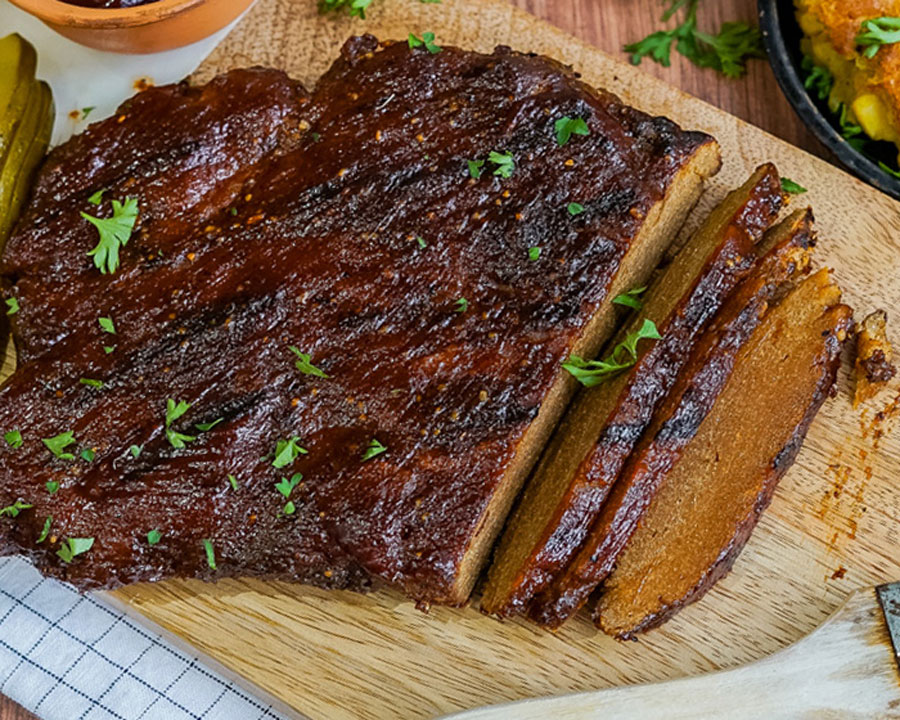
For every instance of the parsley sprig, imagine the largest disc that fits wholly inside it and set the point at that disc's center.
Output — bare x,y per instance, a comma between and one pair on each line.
594,372
566,127
14,509
356,8
426,41
58,444
374,448
173,412
876,32
304,365
631,298
115,232
727,51
72,547
286,451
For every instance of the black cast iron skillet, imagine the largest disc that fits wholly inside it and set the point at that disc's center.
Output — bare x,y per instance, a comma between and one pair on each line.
781,35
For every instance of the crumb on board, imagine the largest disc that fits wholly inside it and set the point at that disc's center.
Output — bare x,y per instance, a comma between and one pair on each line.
874,355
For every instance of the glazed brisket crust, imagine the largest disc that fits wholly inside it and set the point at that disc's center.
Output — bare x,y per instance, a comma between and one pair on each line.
272,217
605,422
749,487
675,422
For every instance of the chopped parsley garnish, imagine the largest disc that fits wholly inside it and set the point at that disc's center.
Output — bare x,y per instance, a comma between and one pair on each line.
232,480
818,79
107,325
108,348
52,486
789,186
71,547
289,508
173,412
286,486
91,383
304,365
851,131
14,509
13,439
623,356
45,531
374,448
504,162
286,451
356,8
88,454
534,253
210,553
631,298
58,444
726,52
87,111
876,32
114,234
575,208
206,427
461,305
136,451
475,167
153,537
421,241
566,127
97,197
12,306
426,41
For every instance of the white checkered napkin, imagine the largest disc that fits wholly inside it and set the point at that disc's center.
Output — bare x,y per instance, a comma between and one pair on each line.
66,656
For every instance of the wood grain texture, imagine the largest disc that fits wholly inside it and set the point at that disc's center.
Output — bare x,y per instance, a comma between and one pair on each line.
845,669
340,655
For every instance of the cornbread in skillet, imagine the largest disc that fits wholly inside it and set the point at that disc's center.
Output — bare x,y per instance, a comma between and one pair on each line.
598,432
711,499
874,357
675,423
436,302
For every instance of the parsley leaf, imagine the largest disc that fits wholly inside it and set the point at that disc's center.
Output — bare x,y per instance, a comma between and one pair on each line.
726,52
91,383
356,8
13,439
108,348
173,412
232,480
286,451
14,509
71,547
136,450
630,298
876,32
427,40
789,186
286,487
818,79
566,127
534,253
12,306
58,444
504,162
106,324
88,454
575,208
97,197
304,365
52,486
206,427
289,508
623,356
461,305
45,531
421,241
114,233
374,448
210,553
153,537
475,167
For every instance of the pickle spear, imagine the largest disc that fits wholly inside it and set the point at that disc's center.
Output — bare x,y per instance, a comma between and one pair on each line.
26,121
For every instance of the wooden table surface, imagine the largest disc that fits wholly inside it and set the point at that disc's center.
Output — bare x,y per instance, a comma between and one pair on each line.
610,24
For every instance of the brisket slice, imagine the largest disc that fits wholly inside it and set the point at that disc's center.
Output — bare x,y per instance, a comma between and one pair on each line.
273,217
710,501
598,432
676,421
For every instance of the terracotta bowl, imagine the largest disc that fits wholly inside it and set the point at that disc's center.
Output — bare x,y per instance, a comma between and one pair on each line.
156,26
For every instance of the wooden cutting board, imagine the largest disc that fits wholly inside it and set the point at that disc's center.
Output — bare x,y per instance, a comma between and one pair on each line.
834,524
